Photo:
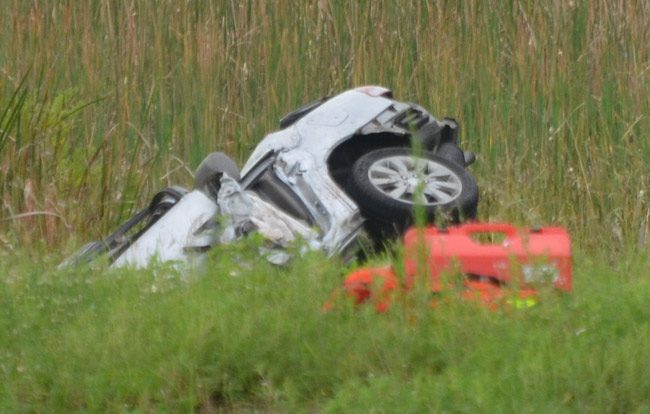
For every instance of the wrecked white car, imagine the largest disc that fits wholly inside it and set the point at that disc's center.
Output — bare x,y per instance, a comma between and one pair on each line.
344,166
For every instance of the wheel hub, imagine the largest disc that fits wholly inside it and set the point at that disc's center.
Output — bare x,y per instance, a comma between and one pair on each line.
413,179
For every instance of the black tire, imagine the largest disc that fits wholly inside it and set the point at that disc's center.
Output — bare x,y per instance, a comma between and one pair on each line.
449,190
208,173
451,152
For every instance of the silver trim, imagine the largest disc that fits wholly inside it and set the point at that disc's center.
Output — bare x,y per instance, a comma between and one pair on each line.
403,177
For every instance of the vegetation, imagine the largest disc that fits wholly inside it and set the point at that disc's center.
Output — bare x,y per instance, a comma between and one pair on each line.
243,335
114,100
102,103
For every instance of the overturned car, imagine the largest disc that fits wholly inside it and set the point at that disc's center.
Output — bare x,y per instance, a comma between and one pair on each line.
339,169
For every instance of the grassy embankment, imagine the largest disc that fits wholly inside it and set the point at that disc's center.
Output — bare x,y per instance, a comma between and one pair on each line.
113,101
245,335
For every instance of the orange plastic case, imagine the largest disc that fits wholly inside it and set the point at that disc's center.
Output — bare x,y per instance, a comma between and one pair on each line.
523,260
525,256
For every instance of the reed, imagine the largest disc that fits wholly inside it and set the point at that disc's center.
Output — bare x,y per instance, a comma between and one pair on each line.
106,102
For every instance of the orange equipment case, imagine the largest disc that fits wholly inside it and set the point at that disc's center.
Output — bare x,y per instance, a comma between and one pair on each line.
524,259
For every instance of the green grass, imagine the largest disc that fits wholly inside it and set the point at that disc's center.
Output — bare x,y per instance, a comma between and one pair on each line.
244,335
103,103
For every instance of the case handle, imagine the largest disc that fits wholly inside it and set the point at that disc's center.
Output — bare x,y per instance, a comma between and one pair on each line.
507,229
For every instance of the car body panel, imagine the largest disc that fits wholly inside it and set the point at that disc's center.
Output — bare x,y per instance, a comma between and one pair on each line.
320,130
176,235
301,152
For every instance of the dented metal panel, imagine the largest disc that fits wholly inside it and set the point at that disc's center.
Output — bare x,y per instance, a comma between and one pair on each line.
176,235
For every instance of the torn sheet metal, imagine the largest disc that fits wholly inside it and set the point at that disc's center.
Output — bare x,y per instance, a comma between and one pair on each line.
242,212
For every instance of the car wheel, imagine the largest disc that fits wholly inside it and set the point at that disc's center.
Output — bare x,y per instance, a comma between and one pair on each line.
209,172
451,152
387,183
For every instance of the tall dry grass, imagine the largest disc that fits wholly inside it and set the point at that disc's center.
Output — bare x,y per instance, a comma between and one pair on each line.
122,98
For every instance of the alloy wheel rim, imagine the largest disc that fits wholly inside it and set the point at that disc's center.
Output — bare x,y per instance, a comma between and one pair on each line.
411,179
